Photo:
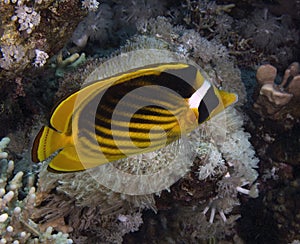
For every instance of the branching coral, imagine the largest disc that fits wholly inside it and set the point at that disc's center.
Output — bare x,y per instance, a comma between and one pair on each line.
16,224
69,63
240,161
41,58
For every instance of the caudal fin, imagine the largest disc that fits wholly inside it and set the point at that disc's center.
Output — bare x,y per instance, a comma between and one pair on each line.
228,98
46,143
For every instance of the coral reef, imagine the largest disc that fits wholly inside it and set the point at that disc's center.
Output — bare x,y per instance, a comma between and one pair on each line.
216,196
27,26
16,224
31,33
88,205
274,127
208,16
96,26
96,210
225,174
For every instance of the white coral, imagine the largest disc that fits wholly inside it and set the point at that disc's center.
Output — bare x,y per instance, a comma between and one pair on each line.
91,5
27,17
11,54
228,142
16,225
213,163
130,223
41,58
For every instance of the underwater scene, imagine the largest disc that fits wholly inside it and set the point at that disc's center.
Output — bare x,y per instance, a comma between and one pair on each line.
150,121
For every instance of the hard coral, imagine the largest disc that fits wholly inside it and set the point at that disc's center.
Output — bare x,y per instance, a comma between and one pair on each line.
278,101
16,224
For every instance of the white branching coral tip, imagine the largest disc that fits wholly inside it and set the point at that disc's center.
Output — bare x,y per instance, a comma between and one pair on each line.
2,192
242,190
253,192
10,166
8,197
16,182
30,180
3,241
17,210
31,196
212,215
3,217
40,58
4,142
122,218
222,214
9,229
3,155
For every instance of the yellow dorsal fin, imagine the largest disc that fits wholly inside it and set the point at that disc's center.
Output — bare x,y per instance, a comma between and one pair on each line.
62,114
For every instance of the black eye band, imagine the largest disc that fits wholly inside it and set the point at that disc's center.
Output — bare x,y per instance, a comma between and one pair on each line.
209,102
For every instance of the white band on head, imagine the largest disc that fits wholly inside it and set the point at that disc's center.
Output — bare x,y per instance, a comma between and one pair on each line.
196,98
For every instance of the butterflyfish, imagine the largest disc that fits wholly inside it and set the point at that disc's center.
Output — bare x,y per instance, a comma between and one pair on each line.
134,112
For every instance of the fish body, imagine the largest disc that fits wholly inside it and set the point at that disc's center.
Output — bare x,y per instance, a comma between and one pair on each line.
134,112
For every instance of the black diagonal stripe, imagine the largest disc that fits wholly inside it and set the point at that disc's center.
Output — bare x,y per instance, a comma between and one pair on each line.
209,102
116,137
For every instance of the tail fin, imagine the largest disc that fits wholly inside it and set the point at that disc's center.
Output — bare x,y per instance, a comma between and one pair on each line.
46,143
228,98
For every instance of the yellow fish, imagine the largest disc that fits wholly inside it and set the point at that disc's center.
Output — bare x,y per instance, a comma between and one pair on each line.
134,112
